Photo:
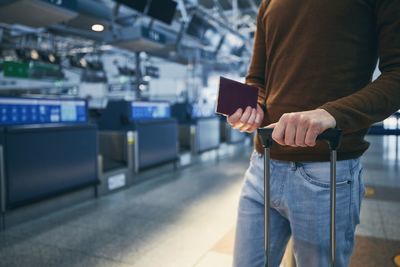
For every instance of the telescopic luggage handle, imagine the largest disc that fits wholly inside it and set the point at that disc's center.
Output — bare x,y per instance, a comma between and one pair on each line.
333,136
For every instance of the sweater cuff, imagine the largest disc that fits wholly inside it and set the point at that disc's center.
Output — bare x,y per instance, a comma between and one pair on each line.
261,96
336,114
260,99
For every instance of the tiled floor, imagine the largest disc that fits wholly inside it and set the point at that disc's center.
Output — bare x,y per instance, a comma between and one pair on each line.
187,219
170,220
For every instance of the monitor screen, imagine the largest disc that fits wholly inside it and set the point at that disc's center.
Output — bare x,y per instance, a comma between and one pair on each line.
197,27
150,110
204,31
139,5
23,111
163,10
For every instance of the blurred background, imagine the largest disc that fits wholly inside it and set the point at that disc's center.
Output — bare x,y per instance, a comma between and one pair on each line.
110,150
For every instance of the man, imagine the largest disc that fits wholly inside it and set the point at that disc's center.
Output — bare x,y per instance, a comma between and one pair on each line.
313,62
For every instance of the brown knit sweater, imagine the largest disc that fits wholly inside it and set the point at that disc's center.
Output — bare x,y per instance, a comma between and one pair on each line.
312,54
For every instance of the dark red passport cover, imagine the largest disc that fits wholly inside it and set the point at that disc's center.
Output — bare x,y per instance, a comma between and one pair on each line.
233,95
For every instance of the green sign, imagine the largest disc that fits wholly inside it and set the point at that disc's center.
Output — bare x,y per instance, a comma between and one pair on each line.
16,69
32,70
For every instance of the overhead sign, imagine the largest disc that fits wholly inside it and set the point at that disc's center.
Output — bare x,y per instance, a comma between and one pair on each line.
33,70
152,71
154,35
38,13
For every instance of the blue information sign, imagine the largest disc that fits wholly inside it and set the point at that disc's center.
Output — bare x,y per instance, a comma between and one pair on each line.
150,110
18,111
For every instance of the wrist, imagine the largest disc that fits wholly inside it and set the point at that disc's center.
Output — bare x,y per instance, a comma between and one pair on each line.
330,120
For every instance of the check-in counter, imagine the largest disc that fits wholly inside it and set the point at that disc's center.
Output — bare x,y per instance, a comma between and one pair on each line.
2,182
114,157
149,130
196,134
115,160
47,150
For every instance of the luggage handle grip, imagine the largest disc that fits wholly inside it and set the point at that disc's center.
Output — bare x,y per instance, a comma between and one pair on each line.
333,136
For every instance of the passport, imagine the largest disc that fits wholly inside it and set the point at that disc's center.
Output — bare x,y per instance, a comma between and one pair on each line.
233,95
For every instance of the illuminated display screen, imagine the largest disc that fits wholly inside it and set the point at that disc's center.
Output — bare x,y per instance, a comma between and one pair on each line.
18,111
162,10
150,110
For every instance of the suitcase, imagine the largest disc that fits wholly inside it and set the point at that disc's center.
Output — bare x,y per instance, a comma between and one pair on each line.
333,137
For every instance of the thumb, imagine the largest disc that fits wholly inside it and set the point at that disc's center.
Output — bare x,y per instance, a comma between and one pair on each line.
272,125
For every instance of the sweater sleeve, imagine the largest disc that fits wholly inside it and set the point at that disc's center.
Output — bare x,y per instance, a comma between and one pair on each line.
256,73
381,98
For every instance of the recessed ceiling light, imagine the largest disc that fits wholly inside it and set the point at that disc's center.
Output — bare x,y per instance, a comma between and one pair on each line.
34,54
83,62
52,58
97,28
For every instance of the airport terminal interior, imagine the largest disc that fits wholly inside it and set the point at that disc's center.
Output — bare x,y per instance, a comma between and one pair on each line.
111,150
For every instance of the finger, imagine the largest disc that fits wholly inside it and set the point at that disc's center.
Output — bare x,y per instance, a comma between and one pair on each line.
235,117
259,109
258,119
251,129
247,129
272,125
243,119
252,117
301,136
257,122
243,128
278,134
246,115
290,134
311,136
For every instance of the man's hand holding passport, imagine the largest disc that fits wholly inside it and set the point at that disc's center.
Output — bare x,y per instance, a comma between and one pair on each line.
238,102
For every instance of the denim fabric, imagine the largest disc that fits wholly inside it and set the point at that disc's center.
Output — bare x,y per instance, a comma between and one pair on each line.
300,204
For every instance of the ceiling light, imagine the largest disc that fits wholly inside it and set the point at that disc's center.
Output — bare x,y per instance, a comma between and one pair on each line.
52,58
83,62
143,55
34,54
97,28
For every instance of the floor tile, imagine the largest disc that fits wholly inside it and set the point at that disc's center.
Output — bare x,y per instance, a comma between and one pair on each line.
370,220
18,252
374,252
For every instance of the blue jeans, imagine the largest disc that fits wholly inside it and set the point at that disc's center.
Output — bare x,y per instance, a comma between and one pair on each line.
299,208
